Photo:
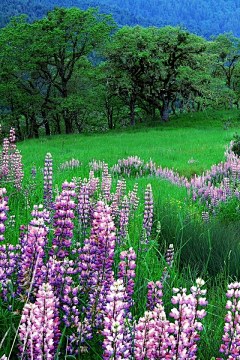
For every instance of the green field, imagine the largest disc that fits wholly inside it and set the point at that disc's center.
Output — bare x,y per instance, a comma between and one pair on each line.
202,137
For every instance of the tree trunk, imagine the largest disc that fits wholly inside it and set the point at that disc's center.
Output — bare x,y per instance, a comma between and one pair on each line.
19,129
109,111
47,128
35,127
57,119
132,111
46,123
67,121
164,111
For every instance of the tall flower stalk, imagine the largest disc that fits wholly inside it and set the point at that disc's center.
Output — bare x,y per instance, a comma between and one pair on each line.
39,326
48,177
231,338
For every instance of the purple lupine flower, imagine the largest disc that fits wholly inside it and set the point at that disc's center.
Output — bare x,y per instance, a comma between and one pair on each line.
39,326
123,220
106,183
117,343
93,184
133,200
10,162
33,242
17,169
72,164
127,274
154,294
33,172
187,324
103,230
5,160
148,214
63,233
9,257
169,258
47,186
83,206
3,211
231,337
151,337
96,166
95,269
117,198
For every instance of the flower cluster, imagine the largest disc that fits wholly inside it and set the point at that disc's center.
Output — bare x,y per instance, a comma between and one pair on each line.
148,214
63,233
39,326
47,186
11,167
117,342
187,316
231,337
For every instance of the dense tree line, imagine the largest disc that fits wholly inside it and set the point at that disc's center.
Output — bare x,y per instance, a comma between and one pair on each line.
34,10
205,17
37,10
74,70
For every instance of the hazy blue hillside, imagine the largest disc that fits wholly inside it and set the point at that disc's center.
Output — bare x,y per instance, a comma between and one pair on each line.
204,17
37,9
34,9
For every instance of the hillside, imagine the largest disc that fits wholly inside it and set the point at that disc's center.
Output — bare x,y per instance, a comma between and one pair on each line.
37,9
9,8
203,17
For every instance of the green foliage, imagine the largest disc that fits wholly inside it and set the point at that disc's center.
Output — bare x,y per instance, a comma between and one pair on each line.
90,78
155,67
236,144
45,72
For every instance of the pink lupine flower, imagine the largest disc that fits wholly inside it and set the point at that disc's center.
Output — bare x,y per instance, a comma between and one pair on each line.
123,220
3,211
83,206
133,200
186,325
106,183
127,274
169,257
151,337
63,233
231,337
154,294
33,243
11,168
117,343
117,199
95,269
148,215
39,326
47,187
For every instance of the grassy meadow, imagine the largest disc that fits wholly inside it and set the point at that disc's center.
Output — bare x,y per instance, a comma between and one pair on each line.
189,144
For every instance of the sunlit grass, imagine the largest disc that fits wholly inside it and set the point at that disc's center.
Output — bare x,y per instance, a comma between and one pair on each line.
187,149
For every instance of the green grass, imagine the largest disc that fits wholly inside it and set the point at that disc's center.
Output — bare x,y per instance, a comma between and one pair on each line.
202,137
170,145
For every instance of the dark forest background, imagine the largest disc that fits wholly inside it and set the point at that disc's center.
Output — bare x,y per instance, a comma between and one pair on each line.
205,17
